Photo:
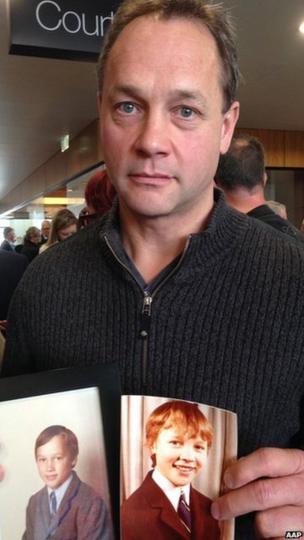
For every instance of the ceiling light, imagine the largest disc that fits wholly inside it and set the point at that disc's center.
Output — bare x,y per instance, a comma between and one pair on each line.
64,143
62,200
301,27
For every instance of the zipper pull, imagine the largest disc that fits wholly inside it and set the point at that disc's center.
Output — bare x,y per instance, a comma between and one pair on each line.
145,316
147,305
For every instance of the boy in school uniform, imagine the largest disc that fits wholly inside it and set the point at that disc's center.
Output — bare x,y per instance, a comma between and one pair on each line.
65,507
166,506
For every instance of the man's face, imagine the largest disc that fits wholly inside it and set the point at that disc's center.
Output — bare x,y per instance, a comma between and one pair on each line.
54,462
11,237
45,229
179,455
162,125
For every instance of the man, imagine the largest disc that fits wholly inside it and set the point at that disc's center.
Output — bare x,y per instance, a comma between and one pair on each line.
241,175
194,300
45,231
12,266
9,239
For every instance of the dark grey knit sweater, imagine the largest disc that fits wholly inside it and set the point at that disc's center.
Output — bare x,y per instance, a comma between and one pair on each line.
225,327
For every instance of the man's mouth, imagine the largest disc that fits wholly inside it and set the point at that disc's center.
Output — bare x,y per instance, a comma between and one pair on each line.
153,178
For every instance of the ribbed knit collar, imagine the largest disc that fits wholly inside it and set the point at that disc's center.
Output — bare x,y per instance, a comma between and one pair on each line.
225,228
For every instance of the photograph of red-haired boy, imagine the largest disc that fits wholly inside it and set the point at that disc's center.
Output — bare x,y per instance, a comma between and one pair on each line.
172,461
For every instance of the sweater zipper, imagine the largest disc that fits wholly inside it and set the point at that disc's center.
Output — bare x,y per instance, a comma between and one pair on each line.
144,331
146,311
147,303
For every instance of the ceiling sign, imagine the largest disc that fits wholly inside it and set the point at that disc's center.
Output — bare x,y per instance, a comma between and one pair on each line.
70,29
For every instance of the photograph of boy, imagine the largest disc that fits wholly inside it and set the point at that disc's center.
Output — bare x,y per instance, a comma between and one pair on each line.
65,508
166,506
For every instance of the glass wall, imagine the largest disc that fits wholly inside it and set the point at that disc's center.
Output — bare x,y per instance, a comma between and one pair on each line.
32,214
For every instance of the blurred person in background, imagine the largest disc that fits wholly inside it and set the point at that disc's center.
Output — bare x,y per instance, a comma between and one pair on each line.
12,266
45,231
242,176
18,248
278,208
64,224
31,243
9,239
99,194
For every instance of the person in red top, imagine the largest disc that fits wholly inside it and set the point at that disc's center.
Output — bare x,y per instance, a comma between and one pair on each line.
99,194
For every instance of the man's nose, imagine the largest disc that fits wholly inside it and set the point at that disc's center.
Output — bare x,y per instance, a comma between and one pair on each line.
153,136
50,465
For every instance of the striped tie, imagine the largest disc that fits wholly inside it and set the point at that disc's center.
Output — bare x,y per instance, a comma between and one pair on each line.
53,502
184,513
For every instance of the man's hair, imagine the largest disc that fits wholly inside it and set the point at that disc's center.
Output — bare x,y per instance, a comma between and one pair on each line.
242,166
183,414
69,438
214,17
6,231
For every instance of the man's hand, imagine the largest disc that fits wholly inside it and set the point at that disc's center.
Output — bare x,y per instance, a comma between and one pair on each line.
270,482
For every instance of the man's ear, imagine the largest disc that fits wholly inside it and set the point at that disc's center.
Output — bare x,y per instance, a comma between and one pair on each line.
265,178
74,462
229,122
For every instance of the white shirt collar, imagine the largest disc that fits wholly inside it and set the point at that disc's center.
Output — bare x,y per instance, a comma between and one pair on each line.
170,490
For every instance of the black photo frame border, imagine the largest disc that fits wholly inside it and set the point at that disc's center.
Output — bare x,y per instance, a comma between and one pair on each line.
104,377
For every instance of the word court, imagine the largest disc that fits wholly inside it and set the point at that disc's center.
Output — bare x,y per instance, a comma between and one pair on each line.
50,17
69,29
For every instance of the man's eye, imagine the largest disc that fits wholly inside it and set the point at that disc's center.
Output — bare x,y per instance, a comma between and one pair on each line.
186,112
175,442
127,107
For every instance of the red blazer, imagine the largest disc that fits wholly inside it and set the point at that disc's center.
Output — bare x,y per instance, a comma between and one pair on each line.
148,515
